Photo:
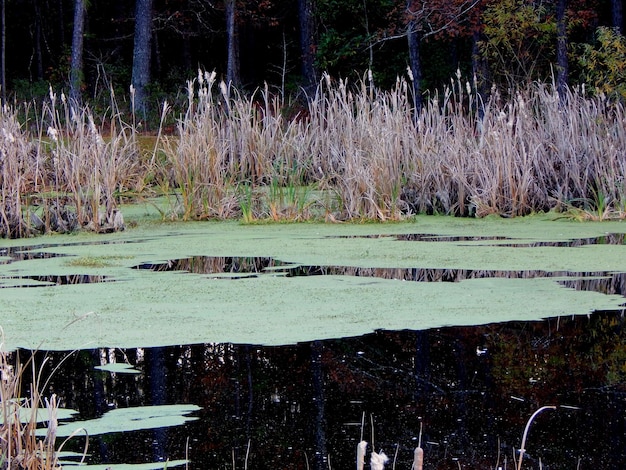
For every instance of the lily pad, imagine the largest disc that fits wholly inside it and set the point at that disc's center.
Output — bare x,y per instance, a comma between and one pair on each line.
42,416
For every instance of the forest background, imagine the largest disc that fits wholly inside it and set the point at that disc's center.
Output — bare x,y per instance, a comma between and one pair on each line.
86,47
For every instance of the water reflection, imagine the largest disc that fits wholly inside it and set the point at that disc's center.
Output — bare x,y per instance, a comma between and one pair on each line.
245,267
301,406
51,280
607,239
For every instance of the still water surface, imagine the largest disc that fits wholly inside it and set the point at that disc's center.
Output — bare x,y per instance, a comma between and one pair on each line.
472,389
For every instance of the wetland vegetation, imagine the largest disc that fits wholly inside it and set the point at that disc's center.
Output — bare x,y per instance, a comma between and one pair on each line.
352,151
181,285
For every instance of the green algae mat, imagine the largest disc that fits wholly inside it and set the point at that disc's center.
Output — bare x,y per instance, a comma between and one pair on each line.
129,289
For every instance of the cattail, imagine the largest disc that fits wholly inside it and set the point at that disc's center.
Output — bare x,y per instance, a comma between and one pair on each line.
418,459
360,455
418,454
378,461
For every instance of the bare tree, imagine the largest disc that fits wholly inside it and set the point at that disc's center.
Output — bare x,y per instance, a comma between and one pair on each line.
141,54
425,19
76,66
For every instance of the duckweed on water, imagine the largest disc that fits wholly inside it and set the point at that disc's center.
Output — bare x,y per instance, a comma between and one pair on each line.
146,308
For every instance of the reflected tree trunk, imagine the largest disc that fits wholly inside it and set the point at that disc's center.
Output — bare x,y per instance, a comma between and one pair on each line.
422,364
157,380
320,457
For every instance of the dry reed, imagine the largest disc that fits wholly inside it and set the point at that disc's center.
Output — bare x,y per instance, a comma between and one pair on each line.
19,172
352,151
19,447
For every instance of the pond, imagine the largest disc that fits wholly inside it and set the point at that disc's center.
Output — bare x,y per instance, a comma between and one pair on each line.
472,389
282,346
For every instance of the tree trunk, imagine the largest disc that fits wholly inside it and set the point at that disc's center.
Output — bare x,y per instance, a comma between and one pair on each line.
616,13
307,44
37,41
415,64
76,66
141,54
562,65
61,24
3,58
232,66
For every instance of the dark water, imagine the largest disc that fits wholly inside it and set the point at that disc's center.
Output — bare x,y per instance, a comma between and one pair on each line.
471,388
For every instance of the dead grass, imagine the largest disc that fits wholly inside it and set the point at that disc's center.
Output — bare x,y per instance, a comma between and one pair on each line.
361,153
19,448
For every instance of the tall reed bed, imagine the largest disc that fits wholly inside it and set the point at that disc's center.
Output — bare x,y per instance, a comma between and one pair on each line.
350,151
368,155
20,170
232,154
88,168
60,171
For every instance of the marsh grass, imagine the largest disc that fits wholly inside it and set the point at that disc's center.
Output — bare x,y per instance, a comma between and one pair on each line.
369,156
91,167
19,446
20,171
64,172
351,151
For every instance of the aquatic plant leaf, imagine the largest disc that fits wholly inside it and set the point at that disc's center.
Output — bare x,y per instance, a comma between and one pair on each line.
118,368
128,466
43,415
131,419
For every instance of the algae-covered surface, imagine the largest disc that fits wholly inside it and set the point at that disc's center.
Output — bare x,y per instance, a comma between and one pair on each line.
128,419
85,291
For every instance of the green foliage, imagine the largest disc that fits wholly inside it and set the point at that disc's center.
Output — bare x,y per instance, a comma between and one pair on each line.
603,63
348,29
520,38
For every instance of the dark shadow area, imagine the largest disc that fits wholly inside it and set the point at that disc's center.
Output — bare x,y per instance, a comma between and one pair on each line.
471,388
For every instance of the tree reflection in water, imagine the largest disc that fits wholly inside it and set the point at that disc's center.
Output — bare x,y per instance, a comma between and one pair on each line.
472,388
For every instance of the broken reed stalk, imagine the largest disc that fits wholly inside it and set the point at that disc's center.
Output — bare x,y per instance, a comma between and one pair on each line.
522,449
